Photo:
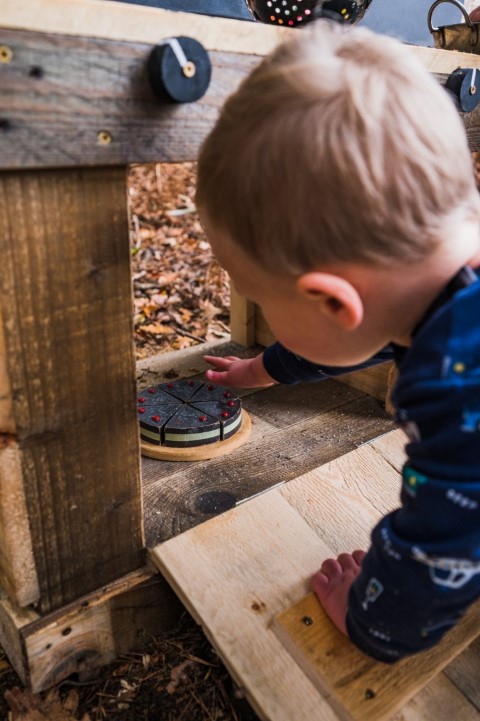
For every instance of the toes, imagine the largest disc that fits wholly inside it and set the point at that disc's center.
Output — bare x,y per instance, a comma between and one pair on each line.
319,583
331,568
347,562
359,556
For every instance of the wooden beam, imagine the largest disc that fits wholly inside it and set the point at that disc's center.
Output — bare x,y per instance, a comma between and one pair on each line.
88,633
66,101
242,319
65,296
358,688
18,576
137,23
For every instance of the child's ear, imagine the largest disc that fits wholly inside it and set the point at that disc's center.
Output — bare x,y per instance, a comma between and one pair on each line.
337,298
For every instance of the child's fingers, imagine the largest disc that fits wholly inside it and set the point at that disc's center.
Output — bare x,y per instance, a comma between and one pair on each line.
218,377
219,361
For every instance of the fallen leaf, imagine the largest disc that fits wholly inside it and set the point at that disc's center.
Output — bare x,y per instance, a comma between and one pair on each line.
26,706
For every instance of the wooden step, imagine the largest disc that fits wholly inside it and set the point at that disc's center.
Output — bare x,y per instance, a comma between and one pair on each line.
237,572
359,688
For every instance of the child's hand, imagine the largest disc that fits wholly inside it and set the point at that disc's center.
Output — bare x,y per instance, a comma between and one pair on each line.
241,373
332,584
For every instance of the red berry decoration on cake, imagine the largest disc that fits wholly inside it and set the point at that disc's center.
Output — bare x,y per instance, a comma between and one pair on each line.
188,413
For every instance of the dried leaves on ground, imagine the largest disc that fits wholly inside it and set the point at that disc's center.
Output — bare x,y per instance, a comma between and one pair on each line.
181,294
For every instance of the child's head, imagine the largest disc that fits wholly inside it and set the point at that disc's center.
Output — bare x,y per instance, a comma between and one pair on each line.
339,147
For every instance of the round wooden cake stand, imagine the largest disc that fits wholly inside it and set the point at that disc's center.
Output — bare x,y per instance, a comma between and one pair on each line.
200,453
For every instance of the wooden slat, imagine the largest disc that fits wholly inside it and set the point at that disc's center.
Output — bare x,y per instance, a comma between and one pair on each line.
242,319
7,421
234,574
120,21
65,292
358,688
343,500
18,576
440,700
80,637
67,101
326,424
373,381
464,672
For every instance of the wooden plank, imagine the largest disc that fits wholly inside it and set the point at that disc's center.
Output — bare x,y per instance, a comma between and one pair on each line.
68,101
464,672
234,574
175,500
359,688
118,21
263,334
65,292
89,633
439,700
242,319
18,576
7,421
344,499
374,381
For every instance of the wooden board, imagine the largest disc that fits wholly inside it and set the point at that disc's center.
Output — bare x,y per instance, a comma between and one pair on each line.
65,295
18,576
358,688
294,430
200,453
237,572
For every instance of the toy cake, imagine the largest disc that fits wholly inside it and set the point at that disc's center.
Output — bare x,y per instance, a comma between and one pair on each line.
188,413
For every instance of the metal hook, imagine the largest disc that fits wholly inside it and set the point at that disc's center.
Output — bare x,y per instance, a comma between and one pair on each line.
457,4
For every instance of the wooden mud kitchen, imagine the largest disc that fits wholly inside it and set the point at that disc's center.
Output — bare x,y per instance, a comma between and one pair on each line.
92,540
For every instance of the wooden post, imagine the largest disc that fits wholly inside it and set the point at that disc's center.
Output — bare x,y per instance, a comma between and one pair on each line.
67,323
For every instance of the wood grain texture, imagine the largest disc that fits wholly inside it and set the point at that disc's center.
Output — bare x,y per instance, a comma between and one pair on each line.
7,421
373,381
68,101
120,21
344,499
357,687
464,672
94,630
59,94
326,420
18,576
66,307
234,574
440,700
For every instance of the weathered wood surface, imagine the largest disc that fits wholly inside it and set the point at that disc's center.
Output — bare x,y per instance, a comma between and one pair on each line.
68,101
88,633
117,21
359,688
294,429
65,292
18,576
235,573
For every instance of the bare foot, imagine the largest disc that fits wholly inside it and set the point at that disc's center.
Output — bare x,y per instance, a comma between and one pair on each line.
332,584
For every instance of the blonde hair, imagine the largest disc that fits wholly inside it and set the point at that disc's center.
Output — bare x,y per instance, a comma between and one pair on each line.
338,147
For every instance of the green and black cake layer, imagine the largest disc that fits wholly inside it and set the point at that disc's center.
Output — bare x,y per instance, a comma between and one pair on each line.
188,413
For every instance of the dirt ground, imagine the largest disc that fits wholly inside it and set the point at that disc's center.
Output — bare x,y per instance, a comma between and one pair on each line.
181,298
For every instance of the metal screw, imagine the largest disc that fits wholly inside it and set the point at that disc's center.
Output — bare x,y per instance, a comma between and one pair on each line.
189,69
6,54
307,620
104,137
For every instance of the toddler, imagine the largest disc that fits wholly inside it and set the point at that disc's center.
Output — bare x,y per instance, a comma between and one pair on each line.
337,190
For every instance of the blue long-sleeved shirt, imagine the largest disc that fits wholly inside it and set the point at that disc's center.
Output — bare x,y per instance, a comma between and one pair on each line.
423,568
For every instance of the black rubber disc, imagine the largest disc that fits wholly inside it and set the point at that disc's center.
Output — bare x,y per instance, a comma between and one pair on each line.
171,80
